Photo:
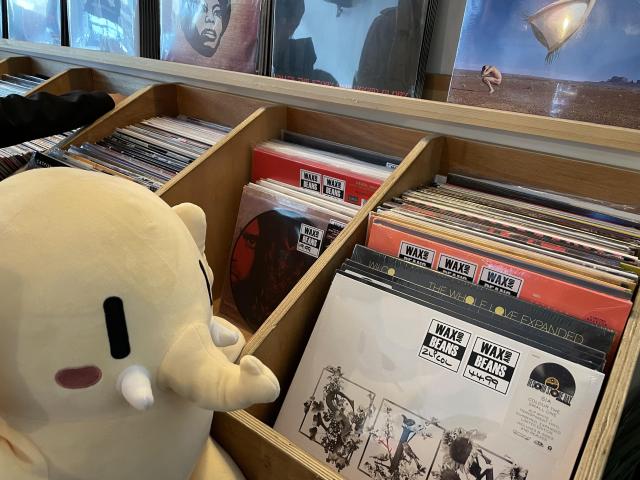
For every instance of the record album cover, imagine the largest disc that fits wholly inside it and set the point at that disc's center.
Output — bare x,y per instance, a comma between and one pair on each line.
574,59
391,389
106,25
34,21
504,275
277,238
373,45
212,33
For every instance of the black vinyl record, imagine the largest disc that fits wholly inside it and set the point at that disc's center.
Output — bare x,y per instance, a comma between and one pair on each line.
266,263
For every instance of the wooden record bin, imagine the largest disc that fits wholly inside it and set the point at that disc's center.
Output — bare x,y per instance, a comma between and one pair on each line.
59,82
215,181
261,452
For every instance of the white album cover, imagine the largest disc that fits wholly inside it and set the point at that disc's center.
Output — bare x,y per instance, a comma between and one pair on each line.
105,25
34,21
388,389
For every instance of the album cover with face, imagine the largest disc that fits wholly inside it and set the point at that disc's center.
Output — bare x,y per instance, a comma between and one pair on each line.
573,59
105,25
34,21
277,238
372,45
212,33
390,389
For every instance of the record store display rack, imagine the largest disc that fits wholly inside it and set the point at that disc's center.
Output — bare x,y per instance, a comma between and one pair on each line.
216,179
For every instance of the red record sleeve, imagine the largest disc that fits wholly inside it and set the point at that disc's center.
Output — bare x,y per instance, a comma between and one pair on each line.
575,300
342,184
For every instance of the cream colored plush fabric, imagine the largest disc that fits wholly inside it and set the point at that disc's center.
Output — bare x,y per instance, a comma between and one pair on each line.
69,240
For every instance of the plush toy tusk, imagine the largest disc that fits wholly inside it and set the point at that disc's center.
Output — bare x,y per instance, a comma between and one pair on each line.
135,385
221,335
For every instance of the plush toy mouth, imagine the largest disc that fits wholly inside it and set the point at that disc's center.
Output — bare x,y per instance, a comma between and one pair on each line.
76,378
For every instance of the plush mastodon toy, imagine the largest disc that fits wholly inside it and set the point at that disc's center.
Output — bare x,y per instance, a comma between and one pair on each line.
110,362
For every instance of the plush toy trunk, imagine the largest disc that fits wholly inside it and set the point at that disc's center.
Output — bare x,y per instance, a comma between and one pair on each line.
59,82
265,455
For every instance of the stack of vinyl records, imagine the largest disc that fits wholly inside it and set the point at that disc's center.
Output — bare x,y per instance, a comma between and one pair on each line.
301,199
376,45
151,152
16,157
19,83
470,339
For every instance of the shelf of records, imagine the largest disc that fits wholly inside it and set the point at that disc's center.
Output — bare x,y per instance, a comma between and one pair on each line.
19,75
250,36
574,60
434,308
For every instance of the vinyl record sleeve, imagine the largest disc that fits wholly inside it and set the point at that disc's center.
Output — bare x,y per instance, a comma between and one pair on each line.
373,45
574,59
454,285
276,240
553,237
361,154
403,387
624,215
579,354
616,279
585,225
554,293
527,217
212,33
34,21
105,25
332,175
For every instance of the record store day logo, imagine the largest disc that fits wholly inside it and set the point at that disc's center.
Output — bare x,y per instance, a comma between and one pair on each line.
553,380
310,240
492,365
500,281
413,253
444,345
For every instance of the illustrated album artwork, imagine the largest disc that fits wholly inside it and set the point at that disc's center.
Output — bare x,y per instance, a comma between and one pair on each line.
212,33
105,25
374,45
34,21
412,388
573,59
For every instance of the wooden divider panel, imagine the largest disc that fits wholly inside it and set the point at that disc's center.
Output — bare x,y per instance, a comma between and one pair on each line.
281,340
16,65
560,174
215,182
378,137
262,453
67,81
62,80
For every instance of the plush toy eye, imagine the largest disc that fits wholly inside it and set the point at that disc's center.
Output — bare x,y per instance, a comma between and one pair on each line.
206,279
117,328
